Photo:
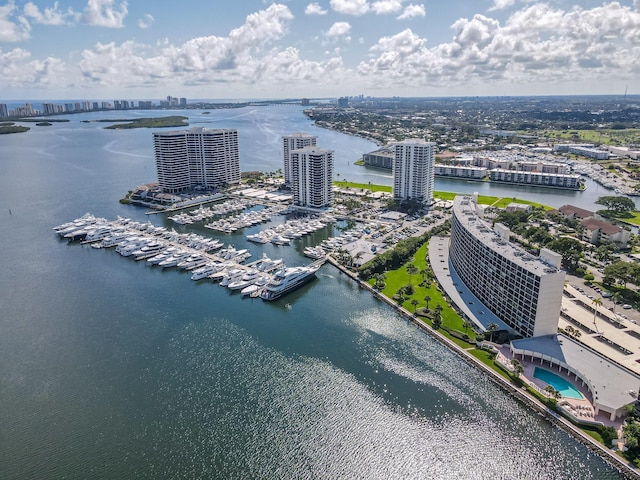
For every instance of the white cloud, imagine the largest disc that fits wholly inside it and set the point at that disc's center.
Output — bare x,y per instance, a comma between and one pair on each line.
412,11
49,16
146,21
339,29
501,4
350,7
105,13
19,70
199,61
314,9
12,30
386,7
536,44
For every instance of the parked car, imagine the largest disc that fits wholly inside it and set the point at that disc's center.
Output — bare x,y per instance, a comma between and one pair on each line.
626,306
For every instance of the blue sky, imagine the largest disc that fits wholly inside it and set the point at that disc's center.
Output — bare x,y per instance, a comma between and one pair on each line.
105,49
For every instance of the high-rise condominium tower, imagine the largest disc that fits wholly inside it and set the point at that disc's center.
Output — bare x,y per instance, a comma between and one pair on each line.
197,157
413,170
311,177
292,142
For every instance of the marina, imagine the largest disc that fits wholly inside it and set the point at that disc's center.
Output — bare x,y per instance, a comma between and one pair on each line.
265,278
116,369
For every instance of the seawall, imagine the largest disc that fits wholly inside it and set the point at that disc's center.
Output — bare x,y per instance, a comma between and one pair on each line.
618,463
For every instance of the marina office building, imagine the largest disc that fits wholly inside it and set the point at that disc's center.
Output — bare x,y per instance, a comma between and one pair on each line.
312,177
196,157
292,142
413,170
524,291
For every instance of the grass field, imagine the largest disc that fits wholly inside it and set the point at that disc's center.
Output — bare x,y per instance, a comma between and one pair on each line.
606,137
363,186
400,278
482,199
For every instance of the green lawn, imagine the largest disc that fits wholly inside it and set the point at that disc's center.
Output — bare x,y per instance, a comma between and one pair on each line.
363,186
607,137
632,218
400,278
482,199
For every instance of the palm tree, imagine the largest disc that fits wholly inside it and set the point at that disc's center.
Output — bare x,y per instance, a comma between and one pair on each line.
411,270
569,330
439,308
492,327
616,298
517,367
423,274
427,299
414,302
596,302
437,320
467,325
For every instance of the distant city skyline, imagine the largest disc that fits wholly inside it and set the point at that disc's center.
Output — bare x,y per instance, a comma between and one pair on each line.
109,49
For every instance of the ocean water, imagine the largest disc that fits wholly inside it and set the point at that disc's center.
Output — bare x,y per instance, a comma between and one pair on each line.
114,369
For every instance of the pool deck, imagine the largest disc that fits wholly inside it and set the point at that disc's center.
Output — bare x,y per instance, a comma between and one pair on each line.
582,410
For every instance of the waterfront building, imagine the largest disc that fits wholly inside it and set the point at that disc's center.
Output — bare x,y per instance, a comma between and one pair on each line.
312,177
3,110
523,291
611,386
381,158
476,173
413,170
186,159
293,142
25,110
558,180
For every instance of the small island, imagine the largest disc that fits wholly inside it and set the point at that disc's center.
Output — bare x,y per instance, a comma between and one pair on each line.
10,127
157,122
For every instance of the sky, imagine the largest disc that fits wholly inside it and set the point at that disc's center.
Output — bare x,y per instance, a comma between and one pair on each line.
238,49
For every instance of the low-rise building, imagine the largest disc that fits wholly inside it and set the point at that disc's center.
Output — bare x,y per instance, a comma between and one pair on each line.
382,158
598,231
575,213
477,173
558,180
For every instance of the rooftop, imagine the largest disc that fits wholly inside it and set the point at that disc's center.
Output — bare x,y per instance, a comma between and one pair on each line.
466,212
613,386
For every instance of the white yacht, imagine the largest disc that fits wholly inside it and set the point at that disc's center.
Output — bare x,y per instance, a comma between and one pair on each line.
287,279
249,278
204,271
314,252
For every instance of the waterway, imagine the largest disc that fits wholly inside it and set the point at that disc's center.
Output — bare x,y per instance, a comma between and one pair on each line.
113,369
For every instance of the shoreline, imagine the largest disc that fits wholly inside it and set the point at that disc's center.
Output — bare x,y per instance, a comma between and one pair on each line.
552,417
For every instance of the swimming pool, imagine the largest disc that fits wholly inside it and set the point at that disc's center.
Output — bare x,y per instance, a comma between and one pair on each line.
565,388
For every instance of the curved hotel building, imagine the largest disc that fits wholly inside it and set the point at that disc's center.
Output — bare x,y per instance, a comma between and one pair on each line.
523,291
